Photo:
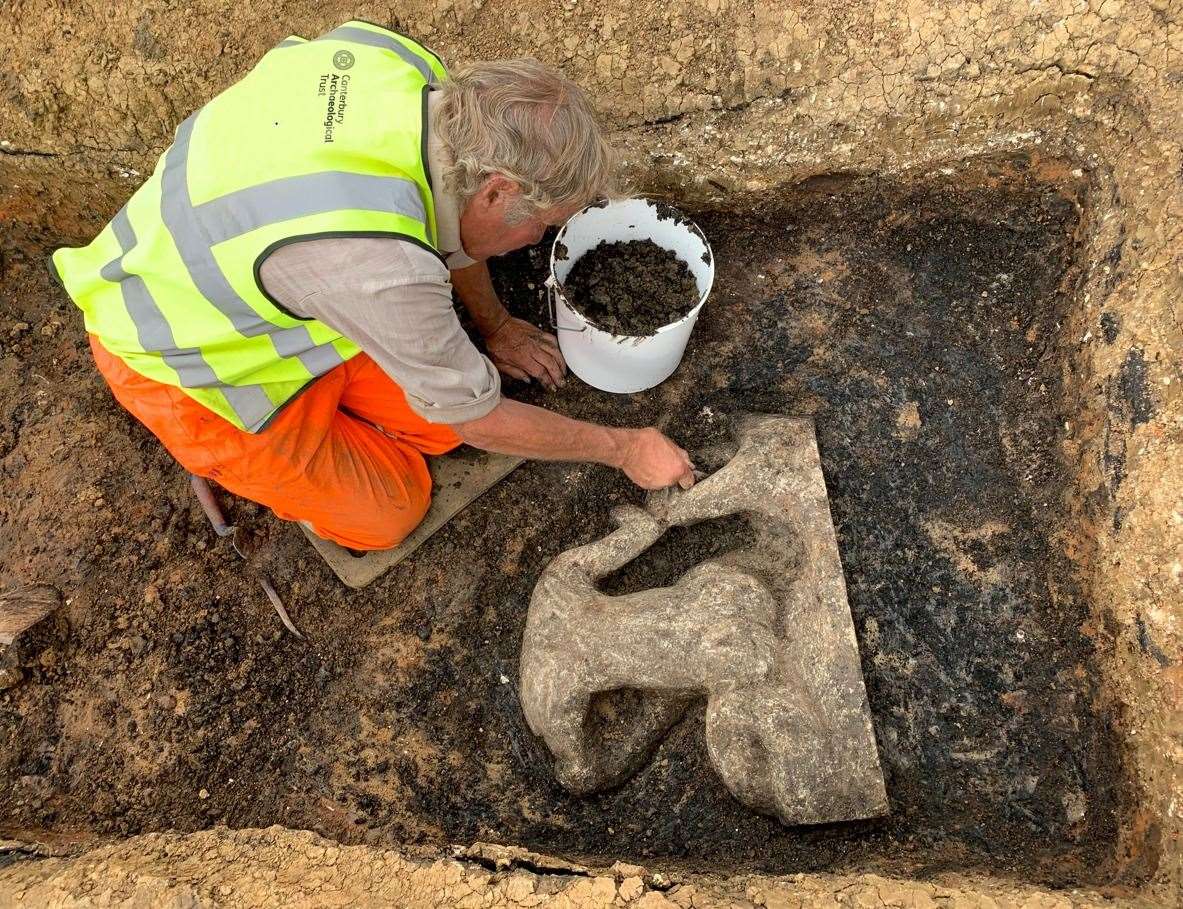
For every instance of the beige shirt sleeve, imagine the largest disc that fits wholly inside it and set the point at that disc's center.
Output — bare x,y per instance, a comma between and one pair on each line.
394,300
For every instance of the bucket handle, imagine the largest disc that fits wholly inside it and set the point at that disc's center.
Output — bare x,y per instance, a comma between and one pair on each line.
552,295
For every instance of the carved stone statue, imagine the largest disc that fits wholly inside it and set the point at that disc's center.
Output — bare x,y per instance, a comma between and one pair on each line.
763,632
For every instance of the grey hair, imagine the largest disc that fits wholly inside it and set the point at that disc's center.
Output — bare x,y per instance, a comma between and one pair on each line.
529,123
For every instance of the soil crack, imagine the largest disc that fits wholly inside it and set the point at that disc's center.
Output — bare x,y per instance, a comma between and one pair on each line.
27,152
497,858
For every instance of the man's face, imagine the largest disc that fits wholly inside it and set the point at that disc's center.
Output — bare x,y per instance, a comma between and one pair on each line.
485,228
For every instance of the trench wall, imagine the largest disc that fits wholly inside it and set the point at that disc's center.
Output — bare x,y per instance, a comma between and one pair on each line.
733,102
246,869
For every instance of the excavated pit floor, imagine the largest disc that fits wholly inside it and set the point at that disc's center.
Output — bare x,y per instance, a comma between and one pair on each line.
918,324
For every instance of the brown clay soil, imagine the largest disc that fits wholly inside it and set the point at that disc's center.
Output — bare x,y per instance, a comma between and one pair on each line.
631,288
918,324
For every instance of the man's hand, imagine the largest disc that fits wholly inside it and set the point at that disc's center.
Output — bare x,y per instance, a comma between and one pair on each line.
522,351
652,461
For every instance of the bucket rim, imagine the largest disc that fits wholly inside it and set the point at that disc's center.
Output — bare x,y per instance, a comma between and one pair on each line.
662,207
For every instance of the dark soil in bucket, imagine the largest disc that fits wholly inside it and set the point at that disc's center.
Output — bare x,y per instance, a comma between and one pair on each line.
631,288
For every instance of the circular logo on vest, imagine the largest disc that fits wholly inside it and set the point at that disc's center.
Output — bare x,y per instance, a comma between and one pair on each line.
343,59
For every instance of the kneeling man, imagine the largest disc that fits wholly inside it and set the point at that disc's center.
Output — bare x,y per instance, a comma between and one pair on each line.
275,302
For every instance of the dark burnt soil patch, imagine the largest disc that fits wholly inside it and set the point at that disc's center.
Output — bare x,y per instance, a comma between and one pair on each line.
917,324
631,288
679,550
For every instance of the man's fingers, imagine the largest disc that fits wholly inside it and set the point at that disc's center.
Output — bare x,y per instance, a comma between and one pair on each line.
539,371
550,354
550,344
558,353
513,372
550,364
688,478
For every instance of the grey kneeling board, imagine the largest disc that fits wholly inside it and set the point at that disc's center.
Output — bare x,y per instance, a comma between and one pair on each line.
458,479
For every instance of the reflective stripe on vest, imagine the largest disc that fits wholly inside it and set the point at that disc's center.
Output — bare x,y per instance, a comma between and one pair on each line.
181,302
155,333
356,35
179,218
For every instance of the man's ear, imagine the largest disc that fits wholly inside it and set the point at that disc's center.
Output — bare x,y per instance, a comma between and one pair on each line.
480,199
498,190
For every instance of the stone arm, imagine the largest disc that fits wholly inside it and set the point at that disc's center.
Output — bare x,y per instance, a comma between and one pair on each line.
714,497
637,531
742,485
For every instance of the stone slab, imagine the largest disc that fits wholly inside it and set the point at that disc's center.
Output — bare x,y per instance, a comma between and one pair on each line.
458,478
764,632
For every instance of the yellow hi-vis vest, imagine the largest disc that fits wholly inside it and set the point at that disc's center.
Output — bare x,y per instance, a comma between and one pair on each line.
322,138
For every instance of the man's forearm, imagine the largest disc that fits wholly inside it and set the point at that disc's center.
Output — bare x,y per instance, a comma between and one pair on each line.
646,456
533,432
474,286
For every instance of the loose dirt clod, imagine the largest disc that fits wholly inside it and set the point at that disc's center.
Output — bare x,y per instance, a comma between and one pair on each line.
23,607
631,288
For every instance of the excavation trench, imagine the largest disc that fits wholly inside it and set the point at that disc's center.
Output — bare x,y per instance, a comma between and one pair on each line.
920,323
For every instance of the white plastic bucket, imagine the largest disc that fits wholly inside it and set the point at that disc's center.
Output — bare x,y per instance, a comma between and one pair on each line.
614,362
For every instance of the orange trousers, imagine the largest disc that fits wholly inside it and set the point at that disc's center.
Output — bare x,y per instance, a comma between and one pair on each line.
346,455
